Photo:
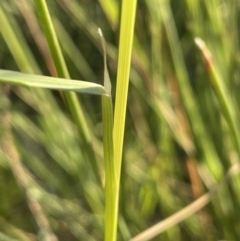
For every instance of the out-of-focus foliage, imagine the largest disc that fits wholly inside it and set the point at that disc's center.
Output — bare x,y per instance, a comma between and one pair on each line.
178,142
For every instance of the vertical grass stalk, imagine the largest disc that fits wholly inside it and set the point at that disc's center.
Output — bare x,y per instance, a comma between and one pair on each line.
221,93
113,137
111,187
124,61
71,97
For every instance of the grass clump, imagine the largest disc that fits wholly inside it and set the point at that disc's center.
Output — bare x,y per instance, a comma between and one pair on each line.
157,158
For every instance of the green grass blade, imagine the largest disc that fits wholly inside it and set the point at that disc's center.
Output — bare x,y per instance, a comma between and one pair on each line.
48,28
113,141
113,147
221,93
30,80
72,100
111,186
124,60
107,82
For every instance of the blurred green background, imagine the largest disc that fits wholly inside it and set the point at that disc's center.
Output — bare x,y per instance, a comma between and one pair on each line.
177,146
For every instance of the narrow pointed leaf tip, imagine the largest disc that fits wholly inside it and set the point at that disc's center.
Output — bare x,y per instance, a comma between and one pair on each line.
47,82
203,48
107,81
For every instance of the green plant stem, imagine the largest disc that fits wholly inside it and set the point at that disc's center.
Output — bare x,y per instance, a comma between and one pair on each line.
111,187
71,97
113,138
124,61
226,107
221,93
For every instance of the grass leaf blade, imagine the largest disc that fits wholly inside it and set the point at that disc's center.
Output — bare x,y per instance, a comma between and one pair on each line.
31,80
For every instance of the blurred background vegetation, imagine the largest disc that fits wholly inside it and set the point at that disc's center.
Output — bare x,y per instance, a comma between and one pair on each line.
177,144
